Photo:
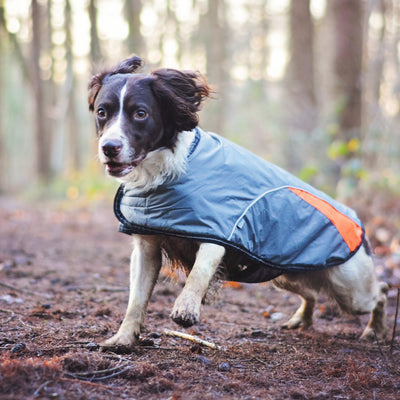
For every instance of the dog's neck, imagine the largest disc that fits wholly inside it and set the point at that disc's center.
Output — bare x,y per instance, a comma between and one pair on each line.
160,166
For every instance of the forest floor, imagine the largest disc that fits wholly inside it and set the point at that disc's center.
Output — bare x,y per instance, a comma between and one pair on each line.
63,289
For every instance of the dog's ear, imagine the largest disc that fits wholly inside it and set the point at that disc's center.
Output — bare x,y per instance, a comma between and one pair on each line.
180,94
128,66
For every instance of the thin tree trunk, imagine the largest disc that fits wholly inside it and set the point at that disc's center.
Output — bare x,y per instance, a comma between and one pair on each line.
2,129
300,113
348,30
95,48
41,127
73,130
216,47
134,41
348,17
301,67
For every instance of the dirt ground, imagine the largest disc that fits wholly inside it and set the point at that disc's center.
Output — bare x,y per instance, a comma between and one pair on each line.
64,288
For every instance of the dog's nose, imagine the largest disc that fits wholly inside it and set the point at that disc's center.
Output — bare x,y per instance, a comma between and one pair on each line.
112,148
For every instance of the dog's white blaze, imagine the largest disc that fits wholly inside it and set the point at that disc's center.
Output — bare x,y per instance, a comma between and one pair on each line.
121,104
115,130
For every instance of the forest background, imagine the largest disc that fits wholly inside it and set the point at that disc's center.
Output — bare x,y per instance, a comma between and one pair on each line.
312,85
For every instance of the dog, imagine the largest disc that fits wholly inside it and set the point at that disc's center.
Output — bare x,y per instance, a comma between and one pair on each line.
147,126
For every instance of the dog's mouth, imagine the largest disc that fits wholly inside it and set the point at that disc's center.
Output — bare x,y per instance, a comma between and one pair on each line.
119,170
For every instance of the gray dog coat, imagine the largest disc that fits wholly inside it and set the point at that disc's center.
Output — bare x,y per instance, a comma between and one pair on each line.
275,222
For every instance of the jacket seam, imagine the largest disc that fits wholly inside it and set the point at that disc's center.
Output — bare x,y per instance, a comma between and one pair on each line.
251,205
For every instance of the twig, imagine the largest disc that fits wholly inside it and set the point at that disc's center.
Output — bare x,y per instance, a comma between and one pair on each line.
261,361
10,318
93,384
100,378
395,321
6,311
100,372
39,389
158,348
112,290
192,338
99,375
47,296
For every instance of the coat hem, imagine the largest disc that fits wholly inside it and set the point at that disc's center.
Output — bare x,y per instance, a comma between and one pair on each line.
130,229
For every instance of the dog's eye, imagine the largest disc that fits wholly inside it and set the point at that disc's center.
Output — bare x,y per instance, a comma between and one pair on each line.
101,113
140,114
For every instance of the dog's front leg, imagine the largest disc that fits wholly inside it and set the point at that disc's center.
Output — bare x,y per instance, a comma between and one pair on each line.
186,311
144,269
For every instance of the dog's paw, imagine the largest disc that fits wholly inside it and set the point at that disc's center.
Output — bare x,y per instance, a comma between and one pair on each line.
297,322
370,334
185,320
186,312
121,343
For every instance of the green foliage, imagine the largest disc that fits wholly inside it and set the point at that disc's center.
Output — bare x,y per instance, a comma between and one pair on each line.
307,173
342,149
86,186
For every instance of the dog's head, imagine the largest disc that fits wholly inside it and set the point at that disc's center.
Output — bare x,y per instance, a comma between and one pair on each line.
139,113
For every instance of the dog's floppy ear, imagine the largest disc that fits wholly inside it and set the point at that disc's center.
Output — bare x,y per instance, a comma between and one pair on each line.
180,94
128,66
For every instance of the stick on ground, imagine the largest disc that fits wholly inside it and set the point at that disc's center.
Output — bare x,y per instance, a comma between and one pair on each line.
192,338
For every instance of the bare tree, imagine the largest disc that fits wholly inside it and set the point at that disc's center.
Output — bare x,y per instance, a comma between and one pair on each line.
347,90
134,41
348,18
300,74
3,36
300,113
41,132
215,39
95,48
70,92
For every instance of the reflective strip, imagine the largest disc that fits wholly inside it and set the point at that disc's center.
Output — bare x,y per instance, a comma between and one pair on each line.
350,231
251,205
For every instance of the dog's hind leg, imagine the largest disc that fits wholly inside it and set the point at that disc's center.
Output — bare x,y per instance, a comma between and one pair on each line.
356,289
304,314
186,310
144,270
377,327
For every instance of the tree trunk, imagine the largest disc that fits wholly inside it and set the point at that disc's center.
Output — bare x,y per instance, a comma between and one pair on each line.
300,77
216,47
348,17
3,36
41,127
347,90
134,41
95,48
300,114
73,130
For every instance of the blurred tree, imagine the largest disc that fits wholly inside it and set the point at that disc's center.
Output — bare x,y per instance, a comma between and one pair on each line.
301,113
264,30
95,48
377,62
214,30
41,125
70,93
3,36
376,48
348,31
300,73
171,16
134,41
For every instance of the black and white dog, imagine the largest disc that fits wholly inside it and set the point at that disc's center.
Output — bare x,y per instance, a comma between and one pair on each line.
146,129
